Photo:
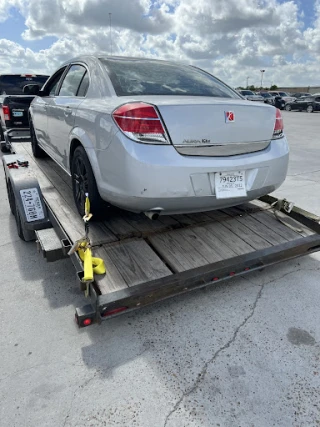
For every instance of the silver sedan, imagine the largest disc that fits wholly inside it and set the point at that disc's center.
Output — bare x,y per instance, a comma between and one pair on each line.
156,137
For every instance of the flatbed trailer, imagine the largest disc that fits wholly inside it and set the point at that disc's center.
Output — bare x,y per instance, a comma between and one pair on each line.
151,260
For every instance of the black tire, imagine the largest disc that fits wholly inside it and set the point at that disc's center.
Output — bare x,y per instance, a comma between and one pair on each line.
310,109
1,134
83,181
11,199
19,225
4,148
15,211
288,107
37,152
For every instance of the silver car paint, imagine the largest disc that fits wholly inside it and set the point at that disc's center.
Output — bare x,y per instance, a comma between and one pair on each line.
141,177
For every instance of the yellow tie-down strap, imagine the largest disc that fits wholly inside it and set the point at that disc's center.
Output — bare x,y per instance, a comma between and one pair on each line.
91,265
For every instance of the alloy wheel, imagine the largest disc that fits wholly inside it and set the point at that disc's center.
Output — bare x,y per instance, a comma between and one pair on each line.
81,182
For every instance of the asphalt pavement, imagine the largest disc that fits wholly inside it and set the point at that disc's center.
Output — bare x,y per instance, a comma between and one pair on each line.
242,353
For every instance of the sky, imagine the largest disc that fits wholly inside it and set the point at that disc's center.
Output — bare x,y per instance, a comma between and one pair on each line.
232,39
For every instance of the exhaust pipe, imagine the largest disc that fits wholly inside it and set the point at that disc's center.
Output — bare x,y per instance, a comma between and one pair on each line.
154,213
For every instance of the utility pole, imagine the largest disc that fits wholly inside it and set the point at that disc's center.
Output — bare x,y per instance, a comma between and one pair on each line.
110,35
262,71
248,82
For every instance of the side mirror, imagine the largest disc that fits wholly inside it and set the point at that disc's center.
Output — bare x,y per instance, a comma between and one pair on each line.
32,89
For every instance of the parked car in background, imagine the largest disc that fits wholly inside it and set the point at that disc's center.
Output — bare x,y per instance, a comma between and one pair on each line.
300,94
284,95
268,98
156,137
14,106
307,103
251,96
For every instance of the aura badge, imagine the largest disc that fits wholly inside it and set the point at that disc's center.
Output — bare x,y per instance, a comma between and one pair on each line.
229,116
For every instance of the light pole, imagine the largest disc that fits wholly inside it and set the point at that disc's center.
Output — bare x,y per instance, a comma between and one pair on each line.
248,81
262,71
110,34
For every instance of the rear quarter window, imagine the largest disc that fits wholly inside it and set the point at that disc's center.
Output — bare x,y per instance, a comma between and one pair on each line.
147,77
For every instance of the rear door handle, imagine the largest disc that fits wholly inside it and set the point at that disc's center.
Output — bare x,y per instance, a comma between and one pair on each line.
67,111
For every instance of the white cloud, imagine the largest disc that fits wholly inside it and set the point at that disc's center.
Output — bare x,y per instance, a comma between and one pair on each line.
233,39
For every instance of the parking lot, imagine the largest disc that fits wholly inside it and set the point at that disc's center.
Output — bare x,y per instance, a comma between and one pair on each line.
242,353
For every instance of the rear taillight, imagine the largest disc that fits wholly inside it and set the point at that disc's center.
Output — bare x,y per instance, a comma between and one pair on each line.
6,112
278,126
141,122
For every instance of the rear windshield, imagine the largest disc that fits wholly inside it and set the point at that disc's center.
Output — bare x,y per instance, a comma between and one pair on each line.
13,85
148,77
246,92
283,94
266,95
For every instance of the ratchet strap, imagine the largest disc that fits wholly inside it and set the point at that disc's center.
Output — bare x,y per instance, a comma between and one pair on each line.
91,265
286,206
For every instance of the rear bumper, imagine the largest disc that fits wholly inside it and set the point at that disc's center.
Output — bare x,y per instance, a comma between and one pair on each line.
141,177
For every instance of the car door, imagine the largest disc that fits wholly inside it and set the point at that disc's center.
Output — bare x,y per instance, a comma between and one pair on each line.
40,109
62,108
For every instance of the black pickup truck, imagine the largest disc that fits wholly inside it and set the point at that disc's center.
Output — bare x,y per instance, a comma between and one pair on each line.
14,105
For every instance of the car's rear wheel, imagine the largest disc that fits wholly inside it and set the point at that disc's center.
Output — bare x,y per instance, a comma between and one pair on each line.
84,182
36,150
4,148
310,109
288,107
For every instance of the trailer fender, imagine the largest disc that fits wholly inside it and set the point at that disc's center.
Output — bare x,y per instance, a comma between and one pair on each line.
25,197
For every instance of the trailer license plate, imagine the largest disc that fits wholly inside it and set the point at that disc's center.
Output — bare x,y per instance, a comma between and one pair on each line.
32,204
17,113
230,185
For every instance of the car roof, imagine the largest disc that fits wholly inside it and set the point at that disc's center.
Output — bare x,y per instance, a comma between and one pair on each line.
126,58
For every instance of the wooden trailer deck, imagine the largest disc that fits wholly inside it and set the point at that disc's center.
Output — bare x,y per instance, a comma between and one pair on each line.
137,250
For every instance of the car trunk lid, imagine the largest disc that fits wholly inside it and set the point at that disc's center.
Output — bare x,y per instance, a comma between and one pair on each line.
215,127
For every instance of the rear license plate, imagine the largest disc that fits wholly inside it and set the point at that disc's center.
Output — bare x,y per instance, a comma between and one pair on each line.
32,204
17,113
230,185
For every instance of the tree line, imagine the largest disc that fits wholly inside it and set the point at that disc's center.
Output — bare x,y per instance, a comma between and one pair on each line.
256,88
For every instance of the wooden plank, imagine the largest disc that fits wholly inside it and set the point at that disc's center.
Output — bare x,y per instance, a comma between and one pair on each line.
192,247
142,223
135,261
209,246
254,206
121,228
269,220
169,221
305,231
177,254
200,250
184,220
112,280
266,232
236,211
218,230
218,215
253,239
200,217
